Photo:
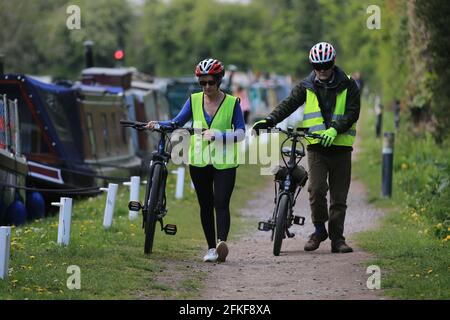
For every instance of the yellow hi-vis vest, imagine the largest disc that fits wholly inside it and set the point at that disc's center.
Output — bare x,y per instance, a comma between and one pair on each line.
312,119
221,155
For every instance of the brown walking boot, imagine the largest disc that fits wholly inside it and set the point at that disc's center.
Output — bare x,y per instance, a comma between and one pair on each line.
315,240
340,247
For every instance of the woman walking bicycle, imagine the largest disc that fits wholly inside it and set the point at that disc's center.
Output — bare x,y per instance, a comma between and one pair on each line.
213,173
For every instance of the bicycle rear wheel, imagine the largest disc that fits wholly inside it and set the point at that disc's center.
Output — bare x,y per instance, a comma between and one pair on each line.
280,226
150,220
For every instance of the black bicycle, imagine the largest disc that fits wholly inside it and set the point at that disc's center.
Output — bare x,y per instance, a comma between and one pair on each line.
154,207
291,178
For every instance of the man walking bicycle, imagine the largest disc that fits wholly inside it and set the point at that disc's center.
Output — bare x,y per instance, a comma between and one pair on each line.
331,102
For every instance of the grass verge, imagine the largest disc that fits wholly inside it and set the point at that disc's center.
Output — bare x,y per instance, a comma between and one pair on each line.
111,262
411,246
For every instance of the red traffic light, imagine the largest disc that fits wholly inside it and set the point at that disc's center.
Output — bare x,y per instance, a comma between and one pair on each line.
119,54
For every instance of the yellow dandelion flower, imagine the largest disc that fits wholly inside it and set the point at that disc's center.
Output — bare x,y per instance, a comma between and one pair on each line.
430,271
32,257
404,166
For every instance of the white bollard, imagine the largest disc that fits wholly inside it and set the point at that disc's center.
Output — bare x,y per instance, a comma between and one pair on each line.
180,182
5,243
134,194
110,202
65,216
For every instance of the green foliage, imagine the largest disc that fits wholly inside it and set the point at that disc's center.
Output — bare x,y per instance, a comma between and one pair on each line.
402,60
23,28
36,40
411,246
378,54
434,14
421,175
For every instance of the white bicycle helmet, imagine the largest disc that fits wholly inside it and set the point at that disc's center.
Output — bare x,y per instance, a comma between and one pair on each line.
322,52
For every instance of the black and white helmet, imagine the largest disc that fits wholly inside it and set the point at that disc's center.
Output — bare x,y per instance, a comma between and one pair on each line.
322,52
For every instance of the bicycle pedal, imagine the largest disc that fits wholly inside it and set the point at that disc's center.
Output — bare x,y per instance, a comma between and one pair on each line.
264,226
299,220
134,206
170,229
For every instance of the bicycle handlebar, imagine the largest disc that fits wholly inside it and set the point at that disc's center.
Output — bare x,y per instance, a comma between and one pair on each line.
158,127
299,133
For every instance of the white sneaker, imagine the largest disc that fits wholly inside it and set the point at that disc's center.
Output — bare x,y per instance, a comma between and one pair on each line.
222,251
211,256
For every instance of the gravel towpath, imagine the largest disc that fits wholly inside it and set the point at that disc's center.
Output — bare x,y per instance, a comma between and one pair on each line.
252,272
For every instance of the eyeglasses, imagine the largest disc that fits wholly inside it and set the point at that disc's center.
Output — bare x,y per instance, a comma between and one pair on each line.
323,66
210,82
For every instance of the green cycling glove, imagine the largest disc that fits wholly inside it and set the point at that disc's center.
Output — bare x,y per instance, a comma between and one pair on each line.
263,124
328,137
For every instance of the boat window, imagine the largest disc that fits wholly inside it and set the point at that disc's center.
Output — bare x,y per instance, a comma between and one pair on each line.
105,132
114,128
90,128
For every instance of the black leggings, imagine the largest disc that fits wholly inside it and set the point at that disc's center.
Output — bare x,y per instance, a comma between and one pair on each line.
214,188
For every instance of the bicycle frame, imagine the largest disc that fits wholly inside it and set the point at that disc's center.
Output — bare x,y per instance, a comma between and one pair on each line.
159,157
286,187
154,207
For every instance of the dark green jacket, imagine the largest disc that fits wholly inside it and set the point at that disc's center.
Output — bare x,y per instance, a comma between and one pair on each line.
326,94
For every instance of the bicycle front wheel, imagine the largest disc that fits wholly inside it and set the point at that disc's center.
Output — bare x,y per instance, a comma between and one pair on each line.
280,226
150,220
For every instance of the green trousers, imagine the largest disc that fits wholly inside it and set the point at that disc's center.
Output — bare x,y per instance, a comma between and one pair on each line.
329,172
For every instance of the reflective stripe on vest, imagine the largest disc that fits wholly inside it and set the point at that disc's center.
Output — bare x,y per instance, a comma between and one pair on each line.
312,119
202,152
